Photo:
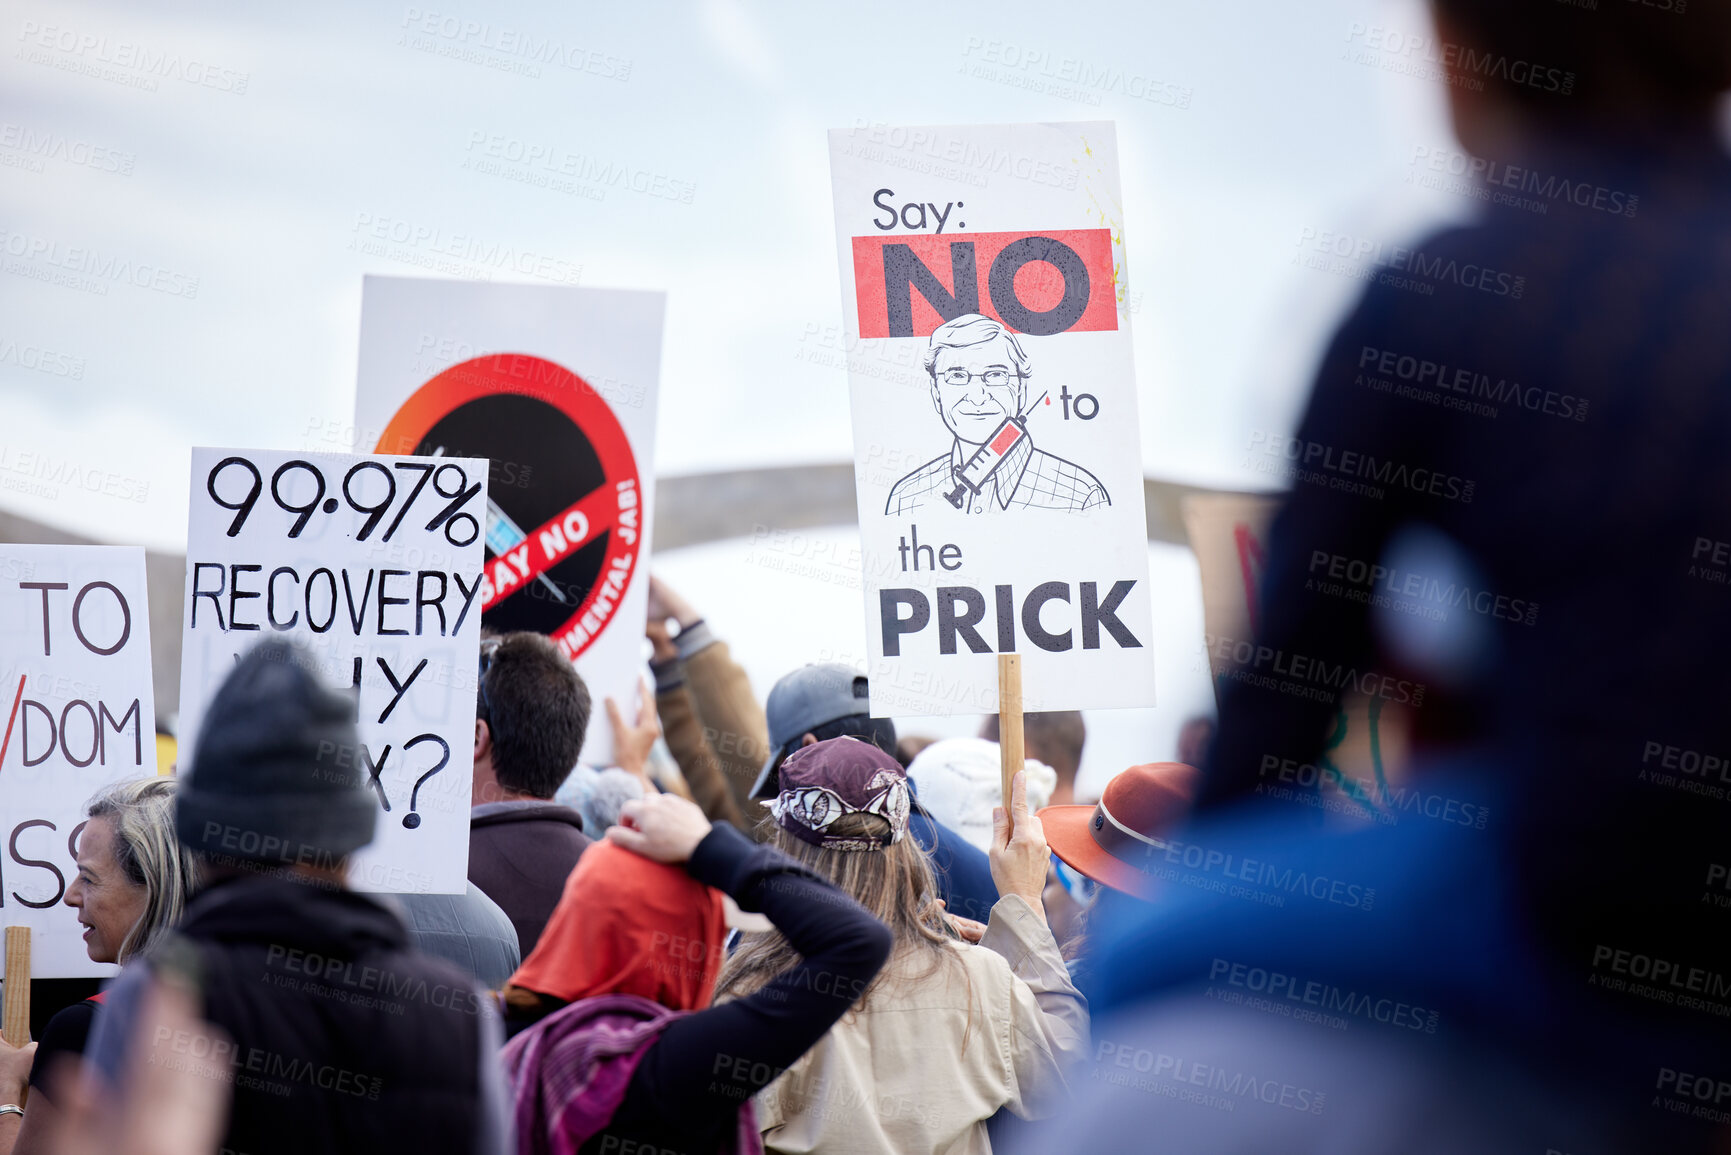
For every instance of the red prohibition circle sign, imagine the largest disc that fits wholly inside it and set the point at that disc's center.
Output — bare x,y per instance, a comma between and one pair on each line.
564,516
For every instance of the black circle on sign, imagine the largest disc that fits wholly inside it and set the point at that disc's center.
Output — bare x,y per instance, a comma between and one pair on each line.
541,464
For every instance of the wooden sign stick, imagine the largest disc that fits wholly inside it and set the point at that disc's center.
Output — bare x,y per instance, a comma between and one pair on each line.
15,1015
1010,754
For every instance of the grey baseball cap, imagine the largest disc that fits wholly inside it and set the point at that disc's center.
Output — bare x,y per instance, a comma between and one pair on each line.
800,703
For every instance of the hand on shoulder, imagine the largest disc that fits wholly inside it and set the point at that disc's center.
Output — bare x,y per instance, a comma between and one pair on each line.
663,827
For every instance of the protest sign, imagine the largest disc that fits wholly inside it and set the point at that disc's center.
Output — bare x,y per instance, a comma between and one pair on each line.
76,713
557,387
1229,534
996,441
374,564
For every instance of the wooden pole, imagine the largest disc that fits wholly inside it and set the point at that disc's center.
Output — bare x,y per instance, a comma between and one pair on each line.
15,1016
1011,758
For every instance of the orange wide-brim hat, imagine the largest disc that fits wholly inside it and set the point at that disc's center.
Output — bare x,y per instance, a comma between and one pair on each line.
1121,839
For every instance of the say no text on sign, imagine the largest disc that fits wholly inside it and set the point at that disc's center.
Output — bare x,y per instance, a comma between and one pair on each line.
1013,522
556,386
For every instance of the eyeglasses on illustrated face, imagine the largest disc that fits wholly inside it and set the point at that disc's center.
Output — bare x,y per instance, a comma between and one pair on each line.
994,378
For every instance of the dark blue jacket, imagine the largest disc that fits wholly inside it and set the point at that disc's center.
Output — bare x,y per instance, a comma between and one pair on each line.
1595,503
1525,425
963,875
1391,971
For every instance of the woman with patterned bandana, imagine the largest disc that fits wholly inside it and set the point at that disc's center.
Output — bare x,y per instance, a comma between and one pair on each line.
963,1020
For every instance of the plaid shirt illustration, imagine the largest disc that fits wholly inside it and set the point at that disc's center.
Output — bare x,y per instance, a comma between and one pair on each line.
1027,478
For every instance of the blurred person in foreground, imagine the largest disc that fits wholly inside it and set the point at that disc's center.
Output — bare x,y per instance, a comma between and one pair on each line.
964,1019
335,1034
169,1107
133,882
531,714
830,700
1537,403
618,1048
1194,738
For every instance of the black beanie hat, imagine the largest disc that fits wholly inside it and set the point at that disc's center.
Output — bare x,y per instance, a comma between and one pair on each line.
276,777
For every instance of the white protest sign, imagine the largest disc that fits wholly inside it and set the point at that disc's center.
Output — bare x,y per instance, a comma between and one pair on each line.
76,713
1229,534
557,387
996,442
373,563
1368,748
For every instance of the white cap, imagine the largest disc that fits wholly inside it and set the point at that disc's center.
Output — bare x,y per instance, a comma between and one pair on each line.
959,782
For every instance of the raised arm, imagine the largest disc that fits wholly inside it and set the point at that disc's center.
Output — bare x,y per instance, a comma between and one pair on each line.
711,1062
684,731
730,716
1048,1015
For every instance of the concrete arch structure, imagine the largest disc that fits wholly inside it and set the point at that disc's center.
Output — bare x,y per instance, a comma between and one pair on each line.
690,509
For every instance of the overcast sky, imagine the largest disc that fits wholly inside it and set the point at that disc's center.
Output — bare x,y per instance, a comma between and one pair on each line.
243,188
241,183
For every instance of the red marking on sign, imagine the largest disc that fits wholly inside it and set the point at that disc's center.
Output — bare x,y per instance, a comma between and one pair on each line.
1002,443
11,718
586,519
614,508
1038,285
1250,563
575,635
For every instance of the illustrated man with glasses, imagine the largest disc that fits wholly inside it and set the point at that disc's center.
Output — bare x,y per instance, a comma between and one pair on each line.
980,388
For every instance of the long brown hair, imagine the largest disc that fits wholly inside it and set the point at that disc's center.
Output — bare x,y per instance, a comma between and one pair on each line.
894,884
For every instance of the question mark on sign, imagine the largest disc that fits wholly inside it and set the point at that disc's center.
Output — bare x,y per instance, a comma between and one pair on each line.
411,819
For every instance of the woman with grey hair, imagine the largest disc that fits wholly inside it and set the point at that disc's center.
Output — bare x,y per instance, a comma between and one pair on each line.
133,882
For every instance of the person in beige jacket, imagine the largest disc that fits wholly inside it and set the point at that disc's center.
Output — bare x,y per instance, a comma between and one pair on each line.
964,1020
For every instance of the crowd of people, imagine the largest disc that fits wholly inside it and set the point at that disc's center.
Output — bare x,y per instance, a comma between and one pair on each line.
783,926
644,970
